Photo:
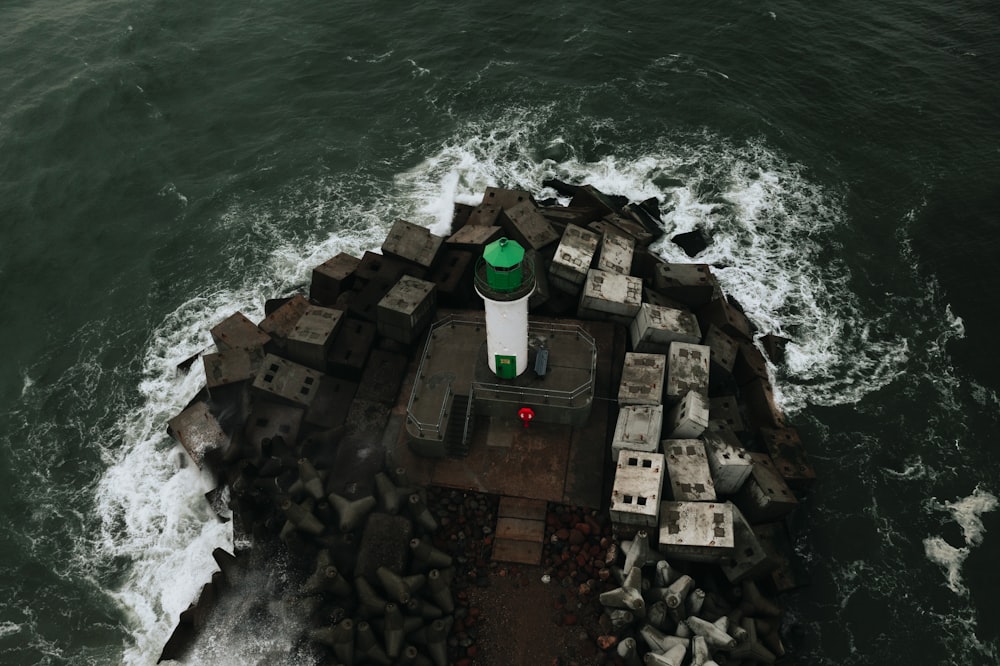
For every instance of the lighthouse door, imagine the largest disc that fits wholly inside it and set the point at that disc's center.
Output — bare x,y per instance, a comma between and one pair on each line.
506,366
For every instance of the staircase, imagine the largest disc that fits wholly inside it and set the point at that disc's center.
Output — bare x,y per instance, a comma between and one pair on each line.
520,530
456,439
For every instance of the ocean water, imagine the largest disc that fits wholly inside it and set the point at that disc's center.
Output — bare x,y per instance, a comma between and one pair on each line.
163,165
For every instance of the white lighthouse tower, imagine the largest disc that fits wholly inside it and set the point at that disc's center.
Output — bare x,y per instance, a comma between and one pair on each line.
506,283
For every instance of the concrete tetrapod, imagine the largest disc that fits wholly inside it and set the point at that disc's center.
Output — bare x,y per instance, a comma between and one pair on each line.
695,601
657,615
422,516
665,574
756,604
620,619
672,657
628,596
629,652
309,477
370,604
715,635
659,641
343,642
399,588
638,553
303,520
699,651
367,647
439,589
678,591
352,513
427,555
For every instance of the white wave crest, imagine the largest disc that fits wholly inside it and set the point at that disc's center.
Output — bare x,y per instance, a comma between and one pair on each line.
967,513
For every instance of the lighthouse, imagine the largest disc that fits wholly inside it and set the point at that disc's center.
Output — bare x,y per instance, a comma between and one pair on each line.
506,282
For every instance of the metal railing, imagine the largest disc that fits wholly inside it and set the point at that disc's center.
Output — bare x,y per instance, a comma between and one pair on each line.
525,288
436,429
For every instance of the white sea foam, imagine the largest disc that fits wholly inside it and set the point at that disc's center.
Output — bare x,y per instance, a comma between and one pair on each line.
9,628
967,513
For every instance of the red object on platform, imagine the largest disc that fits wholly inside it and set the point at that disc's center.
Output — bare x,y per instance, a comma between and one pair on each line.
526,414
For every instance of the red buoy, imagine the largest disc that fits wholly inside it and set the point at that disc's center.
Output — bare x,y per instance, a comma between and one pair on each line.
526,414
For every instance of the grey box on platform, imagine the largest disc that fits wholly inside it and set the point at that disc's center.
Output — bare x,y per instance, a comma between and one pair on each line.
231,366
616,254
642,379
696,531
750,559
730,463
332,277
691,284
655,327
236,331
412,242
687,370
687,467
573,258
279,324
287,380
406,310
310,341
689,417
198,431
727,408
607,293
638,485
638,429
527,226
765,496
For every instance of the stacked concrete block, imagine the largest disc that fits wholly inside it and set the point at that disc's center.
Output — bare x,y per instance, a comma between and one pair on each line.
406,310
616,254
286,381
573,257
527,226
506,198
453,277
687,370
231,366
749,364
607,294
413,243
638,429
696,531
474,238
280,323
689,417
765,496
642,379
688,470
727,409
332,277
350,348
762,408
238,332
729,461
724,349
631,228
732,322
750,559
485,215
270,419
198,431
785,449
588,196
690,284
656,326
332,402
310,340
638,485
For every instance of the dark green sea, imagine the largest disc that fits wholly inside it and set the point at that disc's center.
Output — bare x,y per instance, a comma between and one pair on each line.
164,164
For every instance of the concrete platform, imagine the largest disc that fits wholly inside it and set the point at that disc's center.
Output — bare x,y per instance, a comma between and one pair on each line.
520,530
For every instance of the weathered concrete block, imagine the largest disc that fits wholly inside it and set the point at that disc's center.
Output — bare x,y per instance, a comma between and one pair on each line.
385,271
573,258
270,419
350,348
726,408
330,407
691,284
382,377
506,198
689,417
762,409
413,243
638,485
231,366
642,379
688,470
286,380
452,277
198,431
616,253
749,364
655,327
236,332
475,238
527,226
607,293
633,229
638,429
279,324
588,196
750,560
485,215
696,531
788,455
332,277
407,309
687,370
765,496
309,342
729,461
724,349
732,322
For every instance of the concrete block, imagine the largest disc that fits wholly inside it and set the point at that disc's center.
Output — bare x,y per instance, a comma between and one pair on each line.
749,364
485,215
287,381
506,198
724,349
406,310
460,213
332,402
231,366
238,332
279,324
564,215
761,409
750,559
688,470
350,348
332,277
475,238
309,342
382,377
198,431
573,258
588,196
788,455
270,419
637,489
696,531
607,293
385,271
452,278
631,228
638,429
642,379
726,408
765,496
542,292
691,284
654,297
687,370
616,253
527,226
655,327
729,461
732,322
688,418
413,243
